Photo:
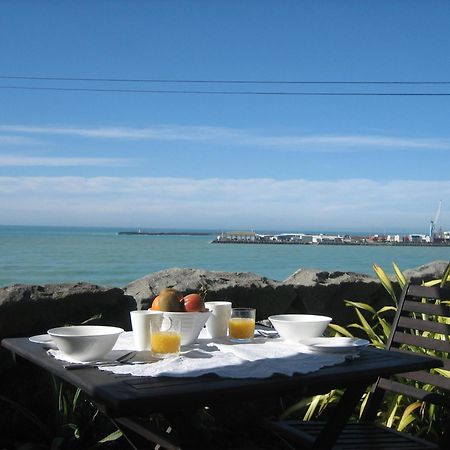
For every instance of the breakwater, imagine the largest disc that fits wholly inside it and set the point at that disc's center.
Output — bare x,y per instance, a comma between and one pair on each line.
164,233
351,243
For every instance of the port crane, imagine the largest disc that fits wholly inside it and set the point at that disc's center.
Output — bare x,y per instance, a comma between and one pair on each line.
434,222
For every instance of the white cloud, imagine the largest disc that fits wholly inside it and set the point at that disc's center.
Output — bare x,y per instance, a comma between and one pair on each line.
222,203
15,140
233,136
14,160
160,133
357,141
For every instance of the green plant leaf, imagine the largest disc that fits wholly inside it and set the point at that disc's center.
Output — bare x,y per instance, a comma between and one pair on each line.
92,319
364,403
407,416
385,326
446,275
296,407
75,399
385,281
443,372
366,327
341,330
312,407
399,275
391,413
360,305
386,308
111,437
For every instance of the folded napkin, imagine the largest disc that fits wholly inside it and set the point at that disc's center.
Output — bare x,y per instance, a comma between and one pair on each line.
261,358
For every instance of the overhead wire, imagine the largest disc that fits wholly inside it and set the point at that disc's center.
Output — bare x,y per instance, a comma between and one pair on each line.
217,92
208,91
166,80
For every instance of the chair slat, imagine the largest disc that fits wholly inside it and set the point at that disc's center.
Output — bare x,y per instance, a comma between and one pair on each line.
428,378
411,391
357,436
431,292
424,325
420,341
426,308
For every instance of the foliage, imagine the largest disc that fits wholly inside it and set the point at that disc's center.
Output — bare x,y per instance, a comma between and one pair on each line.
73,422
78,421
397,411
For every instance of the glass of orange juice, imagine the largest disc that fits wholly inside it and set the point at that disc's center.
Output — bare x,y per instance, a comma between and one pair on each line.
165,338
242,324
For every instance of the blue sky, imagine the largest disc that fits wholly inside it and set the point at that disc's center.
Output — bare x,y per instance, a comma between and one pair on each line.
280,162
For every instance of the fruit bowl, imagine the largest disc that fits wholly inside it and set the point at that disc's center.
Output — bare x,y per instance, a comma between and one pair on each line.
191,324
85,342
295,327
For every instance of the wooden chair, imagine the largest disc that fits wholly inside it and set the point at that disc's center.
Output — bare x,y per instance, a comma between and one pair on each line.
419,311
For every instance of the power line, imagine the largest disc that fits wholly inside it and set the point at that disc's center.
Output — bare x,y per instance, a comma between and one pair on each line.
274,93
146,80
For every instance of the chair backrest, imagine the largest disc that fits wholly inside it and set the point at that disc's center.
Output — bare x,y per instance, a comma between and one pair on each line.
421,325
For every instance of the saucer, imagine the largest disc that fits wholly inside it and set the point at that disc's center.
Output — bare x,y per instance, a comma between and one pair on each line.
44,339
335,344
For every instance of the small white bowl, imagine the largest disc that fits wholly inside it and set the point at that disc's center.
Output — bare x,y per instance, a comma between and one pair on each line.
191,324
85,342
295,327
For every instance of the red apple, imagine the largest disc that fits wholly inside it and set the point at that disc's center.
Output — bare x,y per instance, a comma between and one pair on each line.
193,303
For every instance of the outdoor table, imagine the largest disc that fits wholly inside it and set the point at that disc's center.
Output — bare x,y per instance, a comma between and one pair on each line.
122,397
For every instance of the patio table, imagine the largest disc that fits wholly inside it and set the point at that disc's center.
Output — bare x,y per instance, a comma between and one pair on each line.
122,397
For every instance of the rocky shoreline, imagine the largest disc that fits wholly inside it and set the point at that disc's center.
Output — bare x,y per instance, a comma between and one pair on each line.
26,310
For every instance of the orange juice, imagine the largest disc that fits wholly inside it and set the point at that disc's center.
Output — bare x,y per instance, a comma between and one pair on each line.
164,342
241,328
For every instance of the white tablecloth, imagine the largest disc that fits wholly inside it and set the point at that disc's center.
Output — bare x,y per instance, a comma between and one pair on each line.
261,358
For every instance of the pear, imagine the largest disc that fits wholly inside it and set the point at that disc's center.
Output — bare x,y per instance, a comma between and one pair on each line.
169,300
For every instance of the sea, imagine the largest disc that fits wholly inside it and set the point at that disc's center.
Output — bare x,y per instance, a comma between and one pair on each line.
40,255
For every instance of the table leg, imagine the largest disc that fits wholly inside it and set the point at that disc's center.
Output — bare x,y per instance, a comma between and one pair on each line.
140,435
340,416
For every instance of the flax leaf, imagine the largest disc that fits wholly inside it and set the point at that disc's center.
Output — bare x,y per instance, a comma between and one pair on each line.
399,275
407,416
341,330
446,275
385,281
360,305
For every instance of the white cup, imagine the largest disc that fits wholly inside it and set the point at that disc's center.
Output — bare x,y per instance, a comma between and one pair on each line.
217,324
140,322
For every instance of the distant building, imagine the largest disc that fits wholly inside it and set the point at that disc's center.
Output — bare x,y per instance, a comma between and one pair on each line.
419,238
237,236
289,237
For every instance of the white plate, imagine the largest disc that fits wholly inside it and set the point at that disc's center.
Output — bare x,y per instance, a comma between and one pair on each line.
335,344
44,339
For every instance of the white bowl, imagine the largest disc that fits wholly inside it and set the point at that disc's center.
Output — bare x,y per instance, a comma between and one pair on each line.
85,342
295,327
191,324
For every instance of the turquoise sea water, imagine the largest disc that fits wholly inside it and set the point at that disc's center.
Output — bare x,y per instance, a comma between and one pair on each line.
39,255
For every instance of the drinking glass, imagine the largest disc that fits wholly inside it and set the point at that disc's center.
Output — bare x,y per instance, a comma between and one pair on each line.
242,324
166,337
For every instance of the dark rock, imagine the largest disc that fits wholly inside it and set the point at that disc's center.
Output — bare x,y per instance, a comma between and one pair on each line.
324,293
27,309
241,288
427,272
